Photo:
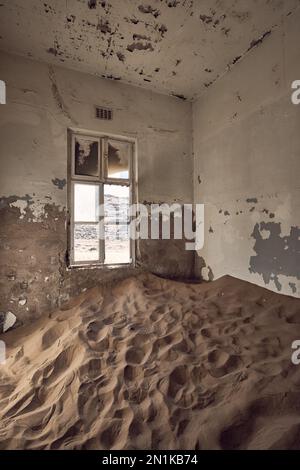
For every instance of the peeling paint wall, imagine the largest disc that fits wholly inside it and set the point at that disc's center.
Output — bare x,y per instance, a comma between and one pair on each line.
42,102
247,165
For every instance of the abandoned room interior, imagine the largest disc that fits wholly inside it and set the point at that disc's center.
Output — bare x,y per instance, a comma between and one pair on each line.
150,232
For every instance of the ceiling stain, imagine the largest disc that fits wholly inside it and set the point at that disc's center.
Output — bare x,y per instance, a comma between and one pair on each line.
258,41
140,46
149,9
181,97
92,4
116,39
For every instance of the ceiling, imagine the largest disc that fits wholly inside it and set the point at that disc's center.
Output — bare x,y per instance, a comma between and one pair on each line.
178,47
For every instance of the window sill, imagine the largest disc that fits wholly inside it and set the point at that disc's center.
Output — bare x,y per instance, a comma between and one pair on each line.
104,267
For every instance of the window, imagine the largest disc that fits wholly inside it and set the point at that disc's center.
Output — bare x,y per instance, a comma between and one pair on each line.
101,190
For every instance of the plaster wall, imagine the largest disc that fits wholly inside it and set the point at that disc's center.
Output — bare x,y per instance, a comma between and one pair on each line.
247,165
43,101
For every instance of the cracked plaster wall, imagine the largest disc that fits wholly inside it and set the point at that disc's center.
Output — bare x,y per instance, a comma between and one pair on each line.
42,103
247,165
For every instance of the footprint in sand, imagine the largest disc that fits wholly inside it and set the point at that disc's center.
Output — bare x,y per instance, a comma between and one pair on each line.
113,434
178,378
133,373
222,363
52,335
93,330
135,356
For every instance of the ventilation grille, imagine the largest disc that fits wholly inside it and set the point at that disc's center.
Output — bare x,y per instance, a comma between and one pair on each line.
104,113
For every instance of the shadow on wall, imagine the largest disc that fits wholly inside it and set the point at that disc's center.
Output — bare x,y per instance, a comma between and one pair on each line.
202,270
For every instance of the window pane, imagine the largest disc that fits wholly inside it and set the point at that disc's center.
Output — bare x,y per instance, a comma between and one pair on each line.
116,204
117,244
86,156
86,242
118,159
86,202
116,210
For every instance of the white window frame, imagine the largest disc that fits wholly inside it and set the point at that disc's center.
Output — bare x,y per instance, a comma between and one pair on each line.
131,182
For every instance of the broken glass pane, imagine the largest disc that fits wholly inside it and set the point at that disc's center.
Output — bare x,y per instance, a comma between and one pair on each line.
86,156
118,158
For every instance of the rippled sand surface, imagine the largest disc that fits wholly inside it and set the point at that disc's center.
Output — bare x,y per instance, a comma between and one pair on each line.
156,364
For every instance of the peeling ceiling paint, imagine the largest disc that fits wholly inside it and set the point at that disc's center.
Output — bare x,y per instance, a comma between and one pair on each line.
176,47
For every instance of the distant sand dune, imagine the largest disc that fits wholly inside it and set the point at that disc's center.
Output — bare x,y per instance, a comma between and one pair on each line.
156,364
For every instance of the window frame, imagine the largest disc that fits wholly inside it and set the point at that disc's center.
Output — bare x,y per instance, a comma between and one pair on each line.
131,183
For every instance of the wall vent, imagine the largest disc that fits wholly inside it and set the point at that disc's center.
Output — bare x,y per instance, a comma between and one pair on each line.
104,113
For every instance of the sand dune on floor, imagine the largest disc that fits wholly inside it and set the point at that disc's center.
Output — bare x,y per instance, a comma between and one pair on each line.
156,364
